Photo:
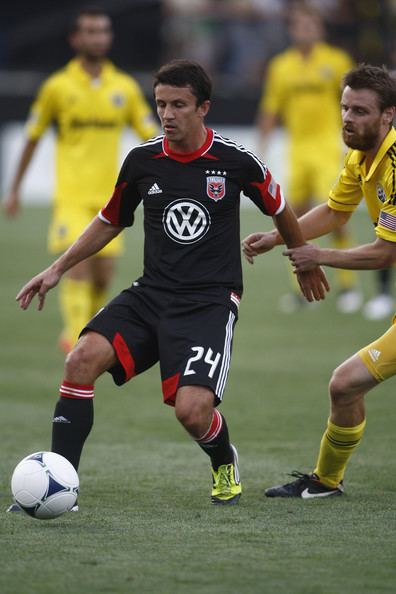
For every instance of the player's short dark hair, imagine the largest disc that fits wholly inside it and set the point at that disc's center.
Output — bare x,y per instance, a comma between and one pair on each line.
375,78
184,73
89,10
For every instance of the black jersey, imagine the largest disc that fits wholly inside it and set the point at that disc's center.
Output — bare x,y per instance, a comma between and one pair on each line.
191,210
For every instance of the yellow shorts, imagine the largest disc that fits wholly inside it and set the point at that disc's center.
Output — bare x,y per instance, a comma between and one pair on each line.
67,225
380,356
312,173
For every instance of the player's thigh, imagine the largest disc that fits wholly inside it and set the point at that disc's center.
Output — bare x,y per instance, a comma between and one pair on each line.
128,322
380,355
195,349
299,179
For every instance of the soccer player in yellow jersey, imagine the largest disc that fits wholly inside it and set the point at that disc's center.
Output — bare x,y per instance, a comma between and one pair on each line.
302,93
90,102
368,108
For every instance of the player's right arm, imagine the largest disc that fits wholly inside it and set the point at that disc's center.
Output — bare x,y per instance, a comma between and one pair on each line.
319,221
12,201
42,112
92,240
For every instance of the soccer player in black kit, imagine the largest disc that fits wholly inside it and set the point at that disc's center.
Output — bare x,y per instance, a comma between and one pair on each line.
182,310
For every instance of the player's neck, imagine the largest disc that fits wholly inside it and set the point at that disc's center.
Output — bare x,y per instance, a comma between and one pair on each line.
91,67
189,145
306,49
371,154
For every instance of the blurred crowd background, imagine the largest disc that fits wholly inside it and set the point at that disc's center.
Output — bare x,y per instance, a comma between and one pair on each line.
233,39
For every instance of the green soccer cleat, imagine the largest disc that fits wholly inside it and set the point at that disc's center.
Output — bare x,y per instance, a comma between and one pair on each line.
227,487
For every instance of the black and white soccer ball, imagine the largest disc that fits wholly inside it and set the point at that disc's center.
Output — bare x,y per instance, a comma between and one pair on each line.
45,485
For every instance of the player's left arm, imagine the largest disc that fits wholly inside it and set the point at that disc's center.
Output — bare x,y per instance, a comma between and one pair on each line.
313,282
371,256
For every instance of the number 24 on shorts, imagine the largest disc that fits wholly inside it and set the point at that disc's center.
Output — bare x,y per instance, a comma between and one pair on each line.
208,359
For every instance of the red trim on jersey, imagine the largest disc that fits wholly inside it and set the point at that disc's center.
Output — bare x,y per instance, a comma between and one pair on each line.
270,194
78,391
187,157
214,429
169,389
124,356
111,212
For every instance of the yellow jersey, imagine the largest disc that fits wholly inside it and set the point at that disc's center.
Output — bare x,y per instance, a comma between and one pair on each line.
377,186
304,92
89,116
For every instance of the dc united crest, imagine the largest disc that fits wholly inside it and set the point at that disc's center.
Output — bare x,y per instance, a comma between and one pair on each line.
215,187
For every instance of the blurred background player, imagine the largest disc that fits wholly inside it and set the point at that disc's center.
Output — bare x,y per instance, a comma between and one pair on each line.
90,102
302,93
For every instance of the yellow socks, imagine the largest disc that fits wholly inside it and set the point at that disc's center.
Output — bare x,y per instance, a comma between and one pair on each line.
336,447
76,307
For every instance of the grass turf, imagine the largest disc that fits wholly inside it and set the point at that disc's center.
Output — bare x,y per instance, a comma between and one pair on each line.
146,524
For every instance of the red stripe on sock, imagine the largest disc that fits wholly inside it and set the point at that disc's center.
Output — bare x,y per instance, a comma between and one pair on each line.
214,429
124,356
79,391
169,389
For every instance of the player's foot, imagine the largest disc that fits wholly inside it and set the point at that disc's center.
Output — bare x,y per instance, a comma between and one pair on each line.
14,507
379,307
75,507
64,344
306,486
227,486
349,301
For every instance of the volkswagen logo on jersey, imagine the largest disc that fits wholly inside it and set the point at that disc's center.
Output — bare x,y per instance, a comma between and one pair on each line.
186,221
215,187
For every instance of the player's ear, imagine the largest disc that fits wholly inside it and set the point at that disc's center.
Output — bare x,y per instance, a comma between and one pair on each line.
389,114
204,107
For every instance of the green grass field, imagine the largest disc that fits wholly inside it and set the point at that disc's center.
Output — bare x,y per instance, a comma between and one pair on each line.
145,524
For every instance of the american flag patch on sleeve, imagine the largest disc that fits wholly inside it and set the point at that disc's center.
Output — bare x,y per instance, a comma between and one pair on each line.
387,220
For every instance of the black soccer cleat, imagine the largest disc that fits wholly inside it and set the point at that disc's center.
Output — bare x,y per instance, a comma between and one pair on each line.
306,486
14,507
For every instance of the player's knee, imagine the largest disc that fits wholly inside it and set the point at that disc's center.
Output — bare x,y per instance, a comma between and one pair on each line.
194,414
90,357
339,386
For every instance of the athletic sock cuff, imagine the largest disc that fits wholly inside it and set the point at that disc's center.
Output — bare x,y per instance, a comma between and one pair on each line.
79,391
214,429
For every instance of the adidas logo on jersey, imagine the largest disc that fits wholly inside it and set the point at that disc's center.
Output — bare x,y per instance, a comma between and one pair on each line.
374,354
155,189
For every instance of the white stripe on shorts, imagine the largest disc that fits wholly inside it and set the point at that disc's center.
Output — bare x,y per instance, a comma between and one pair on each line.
225,365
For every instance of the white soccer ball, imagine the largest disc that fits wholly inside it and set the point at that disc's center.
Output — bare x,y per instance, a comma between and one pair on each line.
45,485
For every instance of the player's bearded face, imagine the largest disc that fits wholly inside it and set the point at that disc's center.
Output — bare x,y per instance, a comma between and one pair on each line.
363,125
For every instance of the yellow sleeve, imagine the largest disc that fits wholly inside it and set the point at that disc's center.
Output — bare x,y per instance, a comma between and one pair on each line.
42,111
386,227
272,96
139,114
346,194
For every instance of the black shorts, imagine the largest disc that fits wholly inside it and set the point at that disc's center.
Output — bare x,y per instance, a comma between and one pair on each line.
190,335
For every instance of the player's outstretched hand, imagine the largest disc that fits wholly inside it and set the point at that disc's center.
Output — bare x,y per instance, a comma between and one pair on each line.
39,285
313,284
304,258
257,243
